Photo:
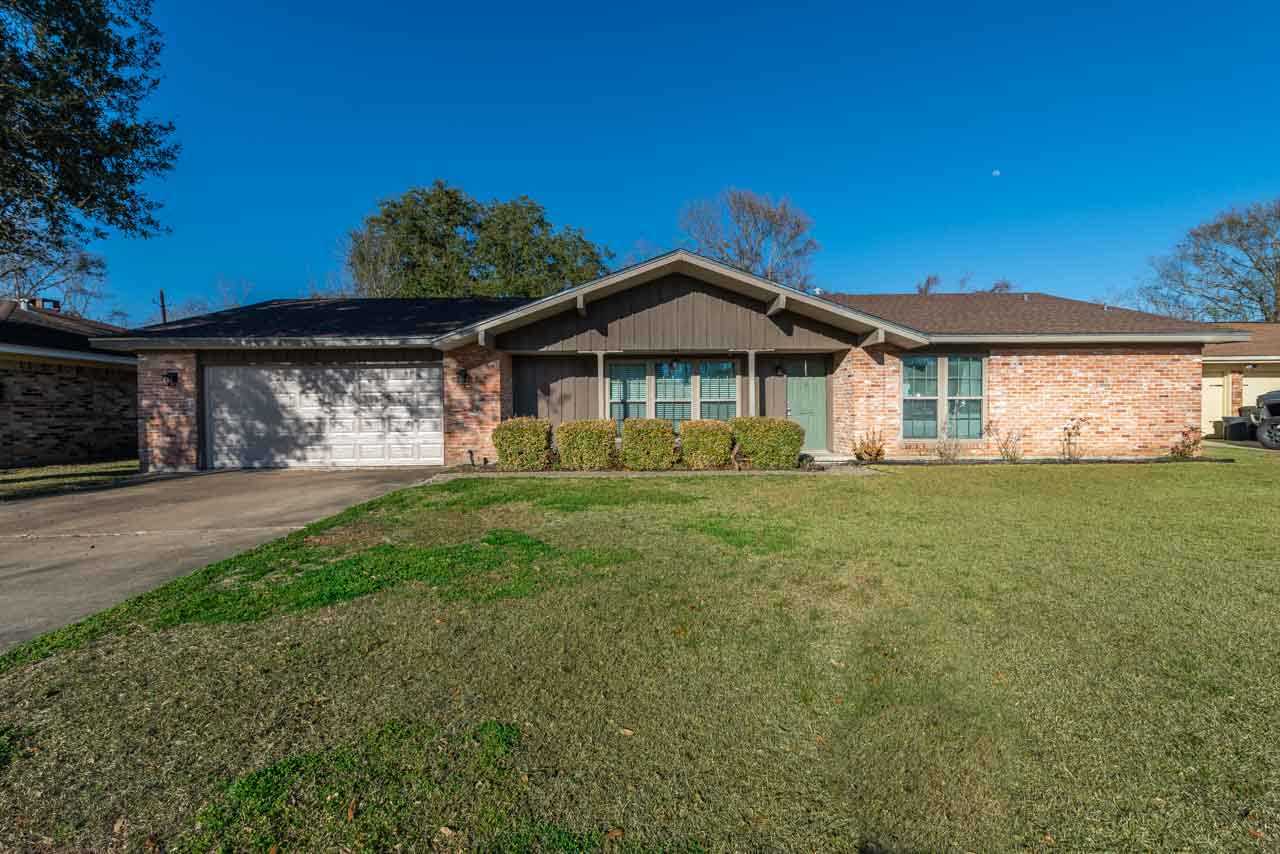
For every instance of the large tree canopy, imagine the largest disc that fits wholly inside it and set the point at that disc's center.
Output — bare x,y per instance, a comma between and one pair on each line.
1226,269
74,147
438,241
753,233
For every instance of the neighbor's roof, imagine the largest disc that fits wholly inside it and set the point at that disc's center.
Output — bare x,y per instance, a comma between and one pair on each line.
25,329
1014,313
395,320
1264,342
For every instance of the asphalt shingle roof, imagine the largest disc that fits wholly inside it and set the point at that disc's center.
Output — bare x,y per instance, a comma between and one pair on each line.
982,313
336,318
1264,340
1015,313
36,327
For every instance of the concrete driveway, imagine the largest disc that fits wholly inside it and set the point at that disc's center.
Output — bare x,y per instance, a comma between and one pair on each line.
64,557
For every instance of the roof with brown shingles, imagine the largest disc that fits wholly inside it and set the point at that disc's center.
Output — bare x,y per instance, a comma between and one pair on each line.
1264,340
1016,313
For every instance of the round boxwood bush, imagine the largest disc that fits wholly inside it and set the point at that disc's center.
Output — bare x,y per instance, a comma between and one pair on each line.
706,444
648,444
523,444
586,445
769,443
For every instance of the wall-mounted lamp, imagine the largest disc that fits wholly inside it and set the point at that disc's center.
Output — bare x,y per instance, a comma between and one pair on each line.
777,369
463,378
171,378
1250,367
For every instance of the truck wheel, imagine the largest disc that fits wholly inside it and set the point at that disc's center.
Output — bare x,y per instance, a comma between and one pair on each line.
1269,434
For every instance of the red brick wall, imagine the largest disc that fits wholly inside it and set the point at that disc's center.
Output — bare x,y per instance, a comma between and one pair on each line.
1137,399
168,416
57,412
472,410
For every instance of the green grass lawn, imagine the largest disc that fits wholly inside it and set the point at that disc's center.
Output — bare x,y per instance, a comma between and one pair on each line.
22,483
1078,658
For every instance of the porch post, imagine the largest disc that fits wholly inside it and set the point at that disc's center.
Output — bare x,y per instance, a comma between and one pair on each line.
752,391
602,391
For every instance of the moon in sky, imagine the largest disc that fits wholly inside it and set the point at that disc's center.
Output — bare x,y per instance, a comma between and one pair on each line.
995,173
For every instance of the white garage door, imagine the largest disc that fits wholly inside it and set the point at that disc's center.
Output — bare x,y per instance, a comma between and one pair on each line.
1260,380
337,415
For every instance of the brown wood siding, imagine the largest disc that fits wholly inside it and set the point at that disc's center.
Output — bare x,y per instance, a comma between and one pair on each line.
675,313
321,356
559,388
773,387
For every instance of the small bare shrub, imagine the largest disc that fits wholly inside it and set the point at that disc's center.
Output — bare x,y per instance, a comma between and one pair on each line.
869,447
1069,446
1187,445
1008,443
947,448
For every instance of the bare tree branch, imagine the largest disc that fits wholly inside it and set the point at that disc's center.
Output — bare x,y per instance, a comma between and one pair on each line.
754,233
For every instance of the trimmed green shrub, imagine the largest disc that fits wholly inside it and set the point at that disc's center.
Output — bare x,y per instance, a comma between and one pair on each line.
648,444
586,445
769,443
706,444
523,444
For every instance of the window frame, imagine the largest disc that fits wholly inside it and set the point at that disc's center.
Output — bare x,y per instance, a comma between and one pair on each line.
699,400
695,385
943,396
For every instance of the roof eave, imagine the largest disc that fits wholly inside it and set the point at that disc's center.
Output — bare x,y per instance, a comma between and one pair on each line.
68,355
1093,338
1227,360
133,345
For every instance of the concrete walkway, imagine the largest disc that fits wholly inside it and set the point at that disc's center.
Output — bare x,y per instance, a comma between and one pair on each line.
64,557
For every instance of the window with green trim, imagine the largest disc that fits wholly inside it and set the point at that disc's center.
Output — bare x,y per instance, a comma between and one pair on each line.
942,392
628,392
673,392
919,397
718,390
964,397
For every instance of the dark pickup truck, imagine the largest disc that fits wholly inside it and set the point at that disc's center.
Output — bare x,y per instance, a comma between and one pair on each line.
1268,416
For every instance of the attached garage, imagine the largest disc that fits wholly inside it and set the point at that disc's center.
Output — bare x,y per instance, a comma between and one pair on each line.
1260,379
323,415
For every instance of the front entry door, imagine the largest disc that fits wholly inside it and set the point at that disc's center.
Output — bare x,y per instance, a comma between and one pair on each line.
807,399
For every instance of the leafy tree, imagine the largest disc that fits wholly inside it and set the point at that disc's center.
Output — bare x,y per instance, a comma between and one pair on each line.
74,146
1226,269
438,241
752,232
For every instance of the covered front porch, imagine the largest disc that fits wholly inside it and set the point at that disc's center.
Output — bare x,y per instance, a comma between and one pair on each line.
679,387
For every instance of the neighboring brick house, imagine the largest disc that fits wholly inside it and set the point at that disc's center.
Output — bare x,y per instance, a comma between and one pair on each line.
62,400
328,382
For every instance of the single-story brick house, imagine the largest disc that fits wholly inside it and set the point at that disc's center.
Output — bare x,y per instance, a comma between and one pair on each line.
62,399
1236,372
424,382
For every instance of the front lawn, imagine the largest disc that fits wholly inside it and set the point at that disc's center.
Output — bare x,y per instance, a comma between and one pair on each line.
945,658
25,482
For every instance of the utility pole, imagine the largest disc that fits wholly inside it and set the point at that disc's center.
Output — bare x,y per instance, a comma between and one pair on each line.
164,313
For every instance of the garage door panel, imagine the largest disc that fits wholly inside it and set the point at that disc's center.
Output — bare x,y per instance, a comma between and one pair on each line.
323,416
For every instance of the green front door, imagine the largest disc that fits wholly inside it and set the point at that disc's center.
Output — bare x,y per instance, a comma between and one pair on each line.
807,399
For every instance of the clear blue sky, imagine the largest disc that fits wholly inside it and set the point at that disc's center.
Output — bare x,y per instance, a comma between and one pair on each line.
1115,127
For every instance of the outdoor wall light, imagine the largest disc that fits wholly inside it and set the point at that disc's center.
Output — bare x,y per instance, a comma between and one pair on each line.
171,378
464,378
